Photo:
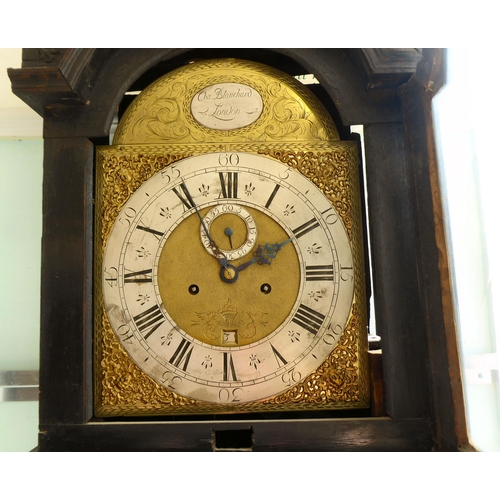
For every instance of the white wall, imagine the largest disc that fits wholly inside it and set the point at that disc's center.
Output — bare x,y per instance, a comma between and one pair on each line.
21,159
466,117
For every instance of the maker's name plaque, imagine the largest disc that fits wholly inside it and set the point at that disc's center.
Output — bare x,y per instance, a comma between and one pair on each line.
226,106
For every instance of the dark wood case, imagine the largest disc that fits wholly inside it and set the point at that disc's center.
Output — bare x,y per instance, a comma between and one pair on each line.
79,93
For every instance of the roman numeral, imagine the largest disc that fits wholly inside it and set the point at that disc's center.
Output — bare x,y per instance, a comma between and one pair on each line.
279,358
309,319
186,198
305,228
145,276
182,355
319,273
273,194
229,185
148,321
228,369
157,234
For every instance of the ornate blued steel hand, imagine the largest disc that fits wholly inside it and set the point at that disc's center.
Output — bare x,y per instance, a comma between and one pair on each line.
218,254
263,255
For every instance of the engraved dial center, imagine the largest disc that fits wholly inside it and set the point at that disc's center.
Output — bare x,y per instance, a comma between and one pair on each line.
227,314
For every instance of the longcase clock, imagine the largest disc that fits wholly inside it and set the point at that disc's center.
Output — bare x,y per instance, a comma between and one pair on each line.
202,282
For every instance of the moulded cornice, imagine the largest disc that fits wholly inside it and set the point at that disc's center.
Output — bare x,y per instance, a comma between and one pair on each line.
361,83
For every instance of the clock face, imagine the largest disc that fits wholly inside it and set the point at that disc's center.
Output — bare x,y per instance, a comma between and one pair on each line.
228,277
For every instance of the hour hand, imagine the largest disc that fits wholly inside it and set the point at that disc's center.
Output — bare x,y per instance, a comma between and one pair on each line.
264,254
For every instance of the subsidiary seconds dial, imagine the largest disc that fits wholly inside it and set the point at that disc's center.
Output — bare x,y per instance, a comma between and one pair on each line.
228,278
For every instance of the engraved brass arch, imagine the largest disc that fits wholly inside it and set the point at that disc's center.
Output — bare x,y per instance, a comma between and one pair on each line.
162,112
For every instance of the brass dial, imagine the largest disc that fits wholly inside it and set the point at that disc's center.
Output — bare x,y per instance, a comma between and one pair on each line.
228,328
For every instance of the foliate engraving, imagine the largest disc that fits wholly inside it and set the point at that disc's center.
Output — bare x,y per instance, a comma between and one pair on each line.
254,361
207,362
143,298
317,295
314,249
280,108
165,212
229,323
249,189
204,190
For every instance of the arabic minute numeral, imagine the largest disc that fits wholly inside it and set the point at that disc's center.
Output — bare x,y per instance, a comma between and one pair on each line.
332,334
229,159
170,173
171,380
291,377
230,395
128,215
124,334
346,274
329,339
111,276
330,218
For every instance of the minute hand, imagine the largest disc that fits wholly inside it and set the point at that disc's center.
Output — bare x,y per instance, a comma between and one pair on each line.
264,254
215,249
